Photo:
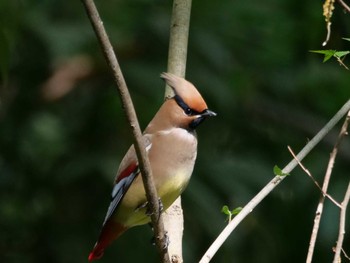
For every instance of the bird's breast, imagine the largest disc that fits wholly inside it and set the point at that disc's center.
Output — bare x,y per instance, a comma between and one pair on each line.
172,156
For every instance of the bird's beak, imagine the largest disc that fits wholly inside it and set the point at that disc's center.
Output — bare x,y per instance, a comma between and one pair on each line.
201,117
208,113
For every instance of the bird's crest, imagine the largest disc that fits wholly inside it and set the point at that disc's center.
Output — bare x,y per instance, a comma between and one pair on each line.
186,91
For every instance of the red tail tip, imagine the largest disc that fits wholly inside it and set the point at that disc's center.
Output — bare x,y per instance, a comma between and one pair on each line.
93,255
110,231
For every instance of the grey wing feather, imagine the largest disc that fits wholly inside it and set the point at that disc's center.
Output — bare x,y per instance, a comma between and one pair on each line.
118,192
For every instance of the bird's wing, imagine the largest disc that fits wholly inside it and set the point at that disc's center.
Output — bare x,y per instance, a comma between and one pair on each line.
125,179
127,172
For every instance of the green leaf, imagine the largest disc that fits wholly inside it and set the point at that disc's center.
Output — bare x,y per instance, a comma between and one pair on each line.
327,57
340,54
237,210
278,171
229,213
225,210
324,52
327,53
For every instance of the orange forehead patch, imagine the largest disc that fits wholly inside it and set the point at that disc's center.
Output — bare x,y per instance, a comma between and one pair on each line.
186,91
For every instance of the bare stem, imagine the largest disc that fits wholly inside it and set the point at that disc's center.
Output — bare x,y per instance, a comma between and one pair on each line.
177,57
343,4
272,184
341,234
179,31
146,172
313,179
345,255
326,180
340,61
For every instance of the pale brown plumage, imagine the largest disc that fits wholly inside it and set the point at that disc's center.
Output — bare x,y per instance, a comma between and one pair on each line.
171,143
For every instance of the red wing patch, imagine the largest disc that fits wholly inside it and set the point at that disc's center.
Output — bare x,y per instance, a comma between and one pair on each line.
128,171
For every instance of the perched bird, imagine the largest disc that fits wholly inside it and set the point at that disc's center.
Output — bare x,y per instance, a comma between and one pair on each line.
171,144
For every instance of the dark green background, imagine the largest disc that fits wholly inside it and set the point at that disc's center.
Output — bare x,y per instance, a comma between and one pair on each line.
249,59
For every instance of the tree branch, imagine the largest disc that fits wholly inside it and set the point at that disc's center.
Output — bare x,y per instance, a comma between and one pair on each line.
326,180
344,5
178,41
342,226
146,172
272,184
177,57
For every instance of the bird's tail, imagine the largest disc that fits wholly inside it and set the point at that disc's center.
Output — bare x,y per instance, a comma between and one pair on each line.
110,231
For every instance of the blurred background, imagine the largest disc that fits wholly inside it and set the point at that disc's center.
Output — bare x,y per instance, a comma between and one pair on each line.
63,132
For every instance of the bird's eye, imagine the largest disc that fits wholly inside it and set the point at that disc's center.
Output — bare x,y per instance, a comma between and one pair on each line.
188,111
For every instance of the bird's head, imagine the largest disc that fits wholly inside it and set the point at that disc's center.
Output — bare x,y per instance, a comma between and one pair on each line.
188,108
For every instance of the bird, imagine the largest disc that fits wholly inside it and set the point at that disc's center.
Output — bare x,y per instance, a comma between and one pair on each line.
170,141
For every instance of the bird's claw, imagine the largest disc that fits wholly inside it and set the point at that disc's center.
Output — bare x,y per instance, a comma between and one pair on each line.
166,241
160,205
149,211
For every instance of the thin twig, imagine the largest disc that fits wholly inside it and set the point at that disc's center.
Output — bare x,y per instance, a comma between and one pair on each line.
345,255
340,61
272,184
342,226
346,7
319,209
151,193
313,179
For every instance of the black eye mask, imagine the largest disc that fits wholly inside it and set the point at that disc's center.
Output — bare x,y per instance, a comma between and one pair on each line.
187,110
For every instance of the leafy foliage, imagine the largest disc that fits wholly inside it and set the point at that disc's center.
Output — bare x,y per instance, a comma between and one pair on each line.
331,53
338,55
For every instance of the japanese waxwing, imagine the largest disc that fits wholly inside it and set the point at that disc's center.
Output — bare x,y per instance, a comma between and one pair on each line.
171,143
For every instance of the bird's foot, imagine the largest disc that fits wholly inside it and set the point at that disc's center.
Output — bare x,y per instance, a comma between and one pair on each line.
165,243
160,205
149,211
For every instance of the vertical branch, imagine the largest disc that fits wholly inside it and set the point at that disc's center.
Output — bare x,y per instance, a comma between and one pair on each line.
146,172
326,180
178,41
340,240
341,234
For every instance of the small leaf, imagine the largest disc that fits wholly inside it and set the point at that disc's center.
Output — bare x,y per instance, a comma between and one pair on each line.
324,52
327,53
225,210
236,210
327,57
340,54
277,171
